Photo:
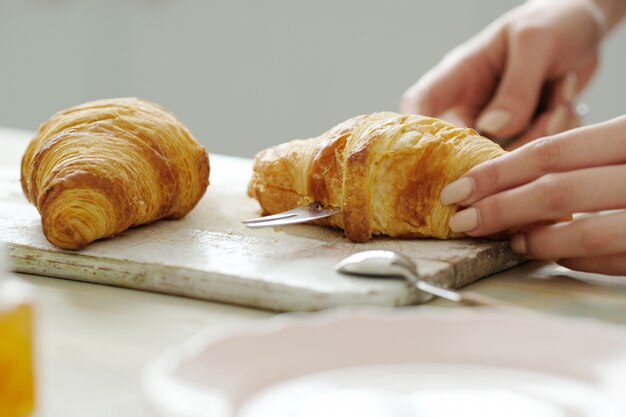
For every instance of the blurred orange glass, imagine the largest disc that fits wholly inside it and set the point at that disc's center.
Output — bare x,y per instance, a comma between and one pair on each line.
17,392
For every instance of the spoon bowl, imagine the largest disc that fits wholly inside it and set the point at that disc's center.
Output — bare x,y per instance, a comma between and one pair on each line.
378,263
387,263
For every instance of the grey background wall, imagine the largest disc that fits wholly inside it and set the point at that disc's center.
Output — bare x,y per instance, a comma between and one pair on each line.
244,75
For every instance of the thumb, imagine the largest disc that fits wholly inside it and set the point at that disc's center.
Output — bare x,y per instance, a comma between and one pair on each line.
517,96
433,94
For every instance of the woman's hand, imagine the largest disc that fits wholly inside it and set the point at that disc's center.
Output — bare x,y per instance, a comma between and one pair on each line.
583,170
519,76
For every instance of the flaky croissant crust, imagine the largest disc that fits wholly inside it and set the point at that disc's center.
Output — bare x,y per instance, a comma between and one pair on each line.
97,169
384,170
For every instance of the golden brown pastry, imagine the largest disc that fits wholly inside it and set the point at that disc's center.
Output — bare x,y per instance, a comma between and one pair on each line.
385,171
97,169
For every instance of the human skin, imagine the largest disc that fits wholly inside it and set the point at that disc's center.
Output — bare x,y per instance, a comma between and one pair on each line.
577,170
517,79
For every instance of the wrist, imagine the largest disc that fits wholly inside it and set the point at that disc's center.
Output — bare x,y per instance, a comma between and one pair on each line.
608,13
595,18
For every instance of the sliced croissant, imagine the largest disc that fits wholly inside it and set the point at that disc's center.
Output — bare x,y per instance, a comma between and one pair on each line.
385,171
97,169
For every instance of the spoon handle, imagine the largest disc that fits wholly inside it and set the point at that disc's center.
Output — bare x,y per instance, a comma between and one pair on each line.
467,298
436,290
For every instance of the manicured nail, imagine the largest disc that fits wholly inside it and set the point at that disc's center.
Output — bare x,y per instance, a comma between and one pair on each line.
557,121
493,121
570,83
464,221
454,120
457,191
518,244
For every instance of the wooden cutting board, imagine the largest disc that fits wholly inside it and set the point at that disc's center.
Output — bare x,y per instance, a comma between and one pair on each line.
210,255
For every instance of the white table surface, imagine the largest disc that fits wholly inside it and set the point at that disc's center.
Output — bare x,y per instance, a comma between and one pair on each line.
93,340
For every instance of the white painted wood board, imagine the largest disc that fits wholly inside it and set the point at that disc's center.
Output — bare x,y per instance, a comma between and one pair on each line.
210,255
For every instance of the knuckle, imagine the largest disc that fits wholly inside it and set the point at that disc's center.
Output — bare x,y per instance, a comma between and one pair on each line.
521,100
556,193
487,179
529,34
456,54
546,153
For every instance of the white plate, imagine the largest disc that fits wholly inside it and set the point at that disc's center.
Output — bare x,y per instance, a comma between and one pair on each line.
412,362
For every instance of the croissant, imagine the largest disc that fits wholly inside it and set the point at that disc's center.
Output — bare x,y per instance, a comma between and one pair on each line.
385,171
97,169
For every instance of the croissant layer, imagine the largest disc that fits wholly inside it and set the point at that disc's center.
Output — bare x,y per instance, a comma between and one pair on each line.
384,170
97,169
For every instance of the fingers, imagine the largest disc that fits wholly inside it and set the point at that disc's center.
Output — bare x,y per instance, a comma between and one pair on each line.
517,95
594,244
556,113
566,90
608,264
551,197
595,236
459,116
455,119
557,120
436,92
596,145
463,80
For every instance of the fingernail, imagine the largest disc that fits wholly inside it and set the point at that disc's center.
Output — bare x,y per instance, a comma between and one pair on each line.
452,118
557,122
464,221
518,244
457,191
493,121
569,87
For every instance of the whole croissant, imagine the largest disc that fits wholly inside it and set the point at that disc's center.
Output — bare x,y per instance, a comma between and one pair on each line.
97,169
385,171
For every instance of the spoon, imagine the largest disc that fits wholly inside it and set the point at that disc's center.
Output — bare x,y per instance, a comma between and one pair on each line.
387,263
